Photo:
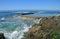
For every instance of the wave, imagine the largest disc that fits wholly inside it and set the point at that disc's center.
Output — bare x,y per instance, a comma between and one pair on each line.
14,27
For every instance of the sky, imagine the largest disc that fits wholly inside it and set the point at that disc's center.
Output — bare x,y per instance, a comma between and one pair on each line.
29,4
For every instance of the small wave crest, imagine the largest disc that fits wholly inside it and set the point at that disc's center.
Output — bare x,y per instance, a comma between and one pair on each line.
3,18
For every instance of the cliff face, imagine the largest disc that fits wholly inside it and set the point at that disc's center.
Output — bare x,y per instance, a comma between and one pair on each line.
48,28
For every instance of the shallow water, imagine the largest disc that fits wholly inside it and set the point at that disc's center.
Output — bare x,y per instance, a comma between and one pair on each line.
13,28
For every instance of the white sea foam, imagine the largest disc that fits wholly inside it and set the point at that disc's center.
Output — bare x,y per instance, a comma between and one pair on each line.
2,18
18,32
58,15
25,12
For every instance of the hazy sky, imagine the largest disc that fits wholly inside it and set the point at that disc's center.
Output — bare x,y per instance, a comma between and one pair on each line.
29,4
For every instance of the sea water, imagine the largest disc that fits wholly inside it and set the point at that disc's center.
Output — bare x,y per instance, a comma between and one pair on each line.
14,27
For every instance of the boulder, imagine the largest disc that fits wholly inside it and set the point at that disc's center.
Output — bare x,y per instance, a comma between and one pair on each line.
2,36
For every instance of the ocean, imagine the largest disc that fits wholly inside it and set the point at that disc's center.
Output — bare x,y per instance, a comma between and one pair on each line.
14,26
38,12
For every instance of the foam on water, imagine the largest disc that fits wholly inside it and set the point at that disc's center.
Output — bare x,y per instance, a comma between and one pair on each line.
3,18
14,28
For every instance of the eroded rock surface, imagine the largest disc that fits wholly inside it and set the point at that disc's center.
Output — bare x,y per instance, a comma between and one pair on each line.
48,28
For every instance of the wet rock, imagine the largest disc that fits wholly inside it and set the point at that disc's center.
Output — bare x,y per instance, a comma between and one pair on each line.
2,36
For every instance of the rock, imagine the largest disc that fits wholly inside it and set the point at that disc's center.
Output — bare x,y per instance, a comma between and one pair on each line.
2,36
48,28
28,17
35,29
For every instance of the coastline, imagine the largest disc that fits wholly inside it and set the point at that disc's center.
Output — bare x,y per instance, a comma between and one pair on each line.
29,17
46,29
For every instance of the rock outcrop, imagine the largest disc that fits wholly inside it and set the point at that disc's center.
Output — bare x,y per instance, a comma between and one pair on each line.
48,28
2,36
29,17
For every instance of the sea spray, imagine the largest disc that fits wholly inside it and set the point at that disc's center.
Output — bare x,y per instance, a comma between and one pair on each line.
14,28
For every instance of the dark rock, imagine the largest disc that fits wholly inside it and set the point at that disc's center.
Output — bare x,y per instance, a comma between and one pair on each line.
2,36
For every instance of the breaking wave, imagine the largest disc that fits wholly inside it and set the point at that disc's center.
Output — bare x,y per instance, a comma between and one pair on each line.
14,27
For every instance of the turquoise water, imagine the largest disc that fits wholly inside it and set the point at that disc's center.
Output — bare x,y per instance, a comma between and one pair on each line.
14,28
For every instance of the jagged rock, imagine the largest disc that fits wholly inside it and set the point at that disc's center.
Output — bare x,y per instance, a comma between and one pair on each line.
48,28
2,36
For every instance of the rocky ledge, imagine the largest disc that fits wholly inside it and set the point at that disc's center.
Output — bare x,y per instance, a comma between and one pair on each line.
29,17
2,36
48,28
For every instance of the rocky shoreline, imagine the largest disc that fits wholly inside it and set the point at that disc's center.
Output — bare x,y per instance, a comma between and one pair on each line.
48,28
29,17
